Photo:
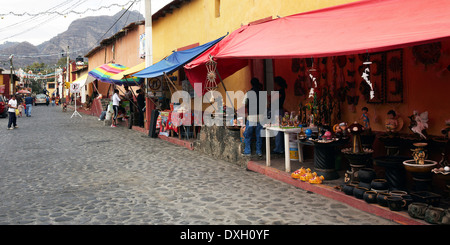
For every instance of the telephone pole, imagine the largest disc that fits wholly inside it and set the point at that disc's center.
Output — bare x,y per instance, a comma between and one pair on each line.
67,74
148,58
11,80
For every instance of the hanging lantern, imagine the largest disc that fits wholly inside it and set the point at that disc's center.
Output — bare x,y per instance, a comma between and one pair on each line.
366,76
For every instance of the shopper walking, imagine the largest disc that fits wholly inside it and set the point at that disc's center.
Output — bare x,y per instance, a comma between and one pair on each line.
12,106
29,105
116,102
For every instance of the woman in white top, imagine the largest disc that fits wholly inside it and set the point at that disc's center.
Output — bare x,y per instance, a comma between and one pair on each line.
116,101
12,106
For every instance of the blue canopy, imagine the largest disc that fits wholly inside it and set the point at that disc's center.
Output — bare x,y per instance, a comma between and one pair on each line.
174,61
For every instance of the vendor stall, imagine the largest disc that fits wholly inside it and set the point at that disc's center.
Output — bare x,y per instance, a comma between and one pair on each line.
161,80
105,73
366,70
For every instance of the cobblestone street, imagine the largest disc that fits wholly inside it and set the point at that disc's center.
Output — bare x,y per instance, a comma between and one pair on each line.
60,170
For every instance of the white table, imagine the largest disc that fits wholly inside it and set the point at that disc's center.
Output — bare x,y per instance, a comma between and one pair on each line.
286,131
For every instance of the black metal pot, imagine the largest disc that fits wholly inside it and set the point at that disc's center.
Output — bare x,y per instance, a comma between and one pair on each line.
395,173
348,189
358,192
396,203
382,198
370,196
379,184
366,175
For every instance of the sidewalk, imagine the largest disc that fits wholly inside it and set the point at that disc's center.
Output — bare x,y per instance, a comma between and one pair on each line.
328,189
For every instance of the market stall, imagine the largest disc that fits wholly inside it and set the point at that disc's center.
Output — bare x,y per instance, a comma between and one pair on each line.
105,73
160,76
366,70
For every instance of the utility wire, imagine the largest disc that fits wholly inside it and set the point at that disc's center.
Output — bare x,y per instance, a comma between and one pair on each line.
36,17
42,22
98,40
74,51
67,12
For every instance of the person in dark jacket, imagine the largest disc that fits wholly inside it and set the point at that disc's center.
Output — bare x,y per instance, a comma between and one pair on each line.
141,107
29,105
253,124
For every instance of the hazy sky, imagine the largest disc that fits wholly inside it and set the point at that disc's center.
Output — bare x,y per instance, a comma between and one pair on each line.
38,29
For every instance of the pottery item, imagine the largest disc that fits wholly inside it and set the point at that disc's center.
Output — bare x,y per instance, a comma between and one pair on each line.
379,191
370,196
417,210
366,175
379,184
398,193
382,198
358,192
434,215
394,172
364,184
403,194
408,198
426,197
396,203
348,189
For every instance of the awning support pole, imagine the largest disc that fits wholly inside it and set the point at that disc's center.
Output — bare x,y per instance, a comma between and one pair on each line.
226,91
170,82
132,102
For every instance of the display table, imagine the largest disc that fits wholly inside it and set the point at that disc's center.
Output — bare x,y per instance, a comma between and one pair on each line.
324,156
286,132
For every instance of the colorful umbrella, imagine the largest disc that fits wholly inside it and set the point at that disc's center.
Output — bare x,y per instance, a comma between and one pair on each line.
104,73
127,75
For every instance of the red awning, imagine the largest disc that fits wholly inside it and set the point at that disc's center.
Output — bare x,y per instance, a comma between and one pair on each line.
359,27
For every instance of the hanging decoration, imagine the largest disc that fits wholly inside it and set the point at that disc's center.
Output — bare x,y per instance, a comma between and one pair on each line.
313,77
366,76
394,76
427,54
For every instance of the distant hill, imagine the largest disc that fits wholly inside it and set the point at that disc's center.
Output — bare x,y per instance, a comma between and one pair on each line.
82,35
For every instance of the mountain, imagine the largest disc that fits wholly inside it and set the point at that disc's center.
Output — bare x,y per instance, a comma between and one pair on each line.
81,36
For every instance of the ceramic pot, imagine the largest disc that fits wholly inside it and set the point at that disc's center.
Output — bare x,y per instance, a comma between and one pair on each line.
408,198
398,193
426,197
382,198
434,215
417,210
366,175
370,196
364,184
396,203
379,184
348,189
358,192
404,195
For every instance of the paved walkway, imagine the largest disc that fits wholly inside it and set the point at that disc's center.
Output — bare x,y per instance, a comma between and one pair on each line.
60,170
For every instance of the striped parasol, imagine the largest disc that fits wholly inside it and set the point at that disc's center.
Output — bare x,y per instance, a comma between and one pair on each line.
106,71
